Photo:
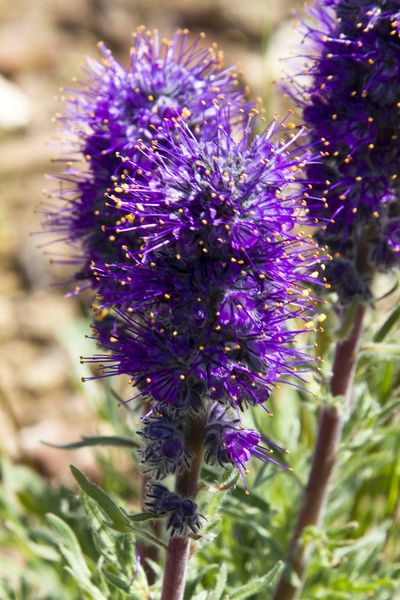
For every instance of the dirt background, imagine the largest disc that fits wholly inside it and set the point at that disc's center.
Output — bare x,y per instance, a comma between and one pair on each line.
43,43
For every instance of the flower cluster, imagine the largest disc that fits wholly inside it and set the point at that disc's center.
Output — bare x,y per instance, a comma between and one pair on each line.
203,304
351,104
195,234
226,442
115,108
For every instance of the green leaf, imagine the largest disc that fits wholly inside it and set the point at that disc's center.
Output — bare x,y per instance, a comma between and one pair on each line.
227,483
116,581
69,543
100,440
118,517
144,516
71,551
394,487
191,584
200,596
258,584
390,292
388,325
156,567
30,546
104,538
383,350
219,589
371,541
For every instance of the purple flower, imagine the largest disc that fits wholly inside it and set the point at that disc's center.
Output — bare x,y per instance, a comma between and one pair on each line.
392,232
194,229
161,364
351,107
227,442
205,302
203,306
105,117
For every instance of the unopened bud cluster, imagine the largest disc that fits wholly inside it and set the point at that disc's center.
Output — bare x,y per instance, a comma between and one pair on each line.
351,104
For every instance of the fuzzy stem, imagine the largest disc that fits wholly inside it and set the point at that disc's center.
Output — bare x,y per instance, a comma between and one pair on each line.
330,426
345,358
177,558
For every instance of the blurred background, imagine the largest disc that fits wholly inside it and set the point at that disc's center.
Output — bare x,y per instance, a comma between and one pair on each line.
43,43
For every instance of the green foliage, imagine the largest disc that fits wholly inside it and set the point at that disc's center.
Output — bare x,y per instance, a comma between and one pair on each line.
58,546
99,440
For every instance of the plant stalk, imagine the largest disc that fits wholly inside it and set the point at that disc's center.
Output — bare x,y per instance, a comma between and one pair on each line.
330,427
178,552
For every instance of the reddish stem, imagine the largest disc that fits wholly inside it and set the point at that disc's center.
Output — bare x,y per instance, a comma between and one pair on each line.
315,495
178,551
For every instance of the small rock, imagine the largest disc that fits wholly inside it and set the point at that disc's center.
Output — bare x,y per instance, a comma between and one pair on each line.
15,107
